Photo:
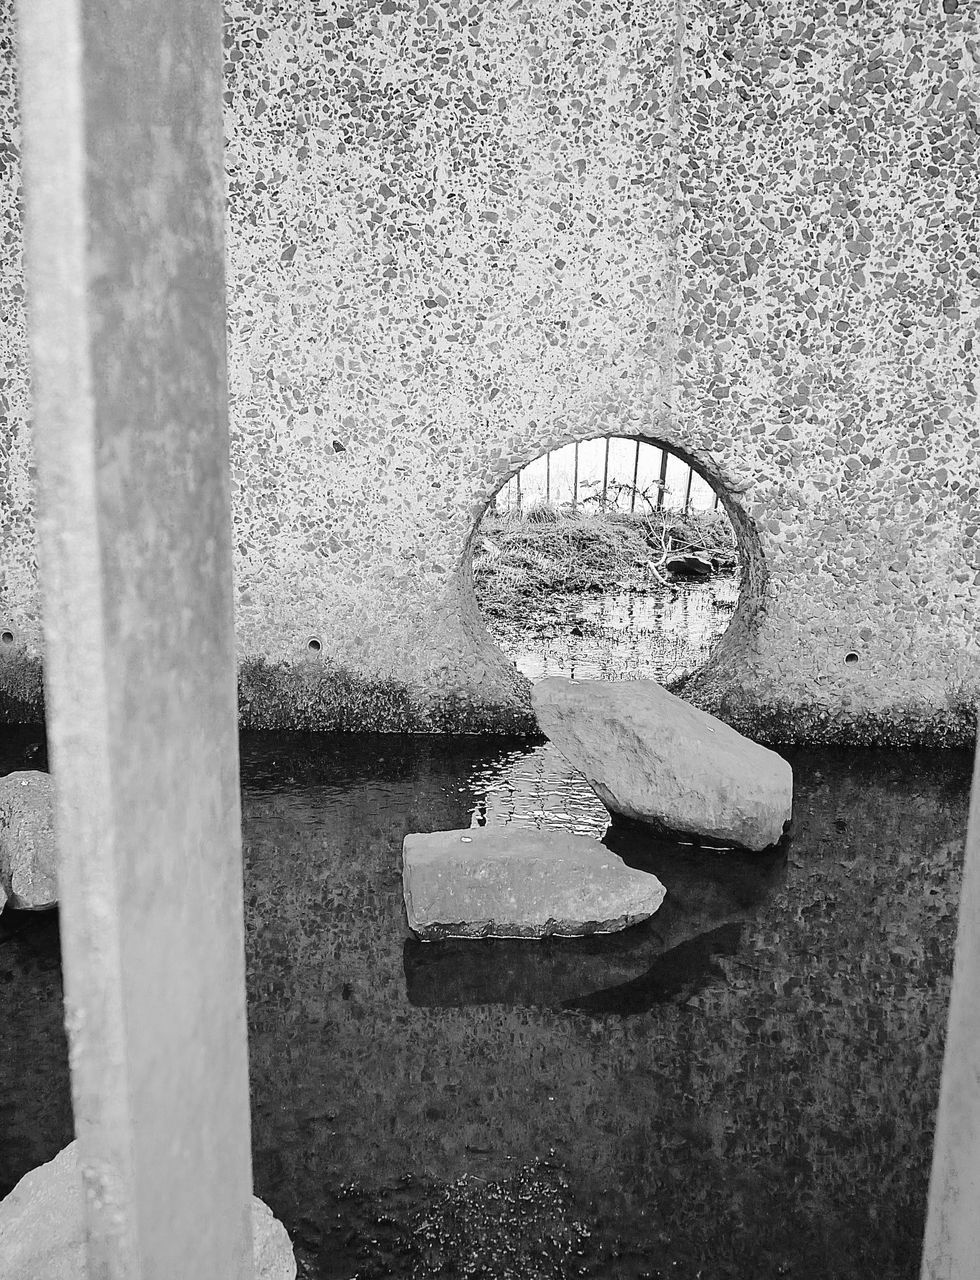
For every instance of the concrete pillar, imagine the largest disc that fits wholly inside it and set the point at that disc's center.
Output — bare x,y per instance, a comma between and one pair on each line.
952,1240
122,124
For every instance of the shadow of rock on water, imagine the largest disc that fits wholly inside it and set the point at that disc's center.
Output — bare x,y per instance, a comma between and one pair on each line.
705,885
666,959
35,1105
673,978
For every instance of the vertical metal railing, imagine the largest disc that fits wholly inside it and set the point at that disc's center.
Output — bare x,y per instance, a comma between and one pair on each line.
585,479
662,483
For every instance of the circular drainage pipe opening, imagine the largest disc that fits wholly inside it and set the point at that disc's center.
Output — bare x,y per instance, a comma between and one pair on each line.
608,558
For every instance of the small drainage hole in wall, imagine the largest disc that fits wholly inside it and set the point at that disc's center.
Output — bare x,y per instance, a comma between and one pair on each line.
314,645
851,658
7,637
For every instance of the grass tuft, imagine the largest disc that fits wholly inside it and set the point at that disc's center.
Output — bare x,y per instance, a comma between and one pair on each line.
520,557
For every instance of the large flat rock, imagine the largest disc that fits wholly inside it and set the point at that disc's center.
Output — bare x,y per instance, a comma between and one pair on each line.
515,883
655,759
42,1228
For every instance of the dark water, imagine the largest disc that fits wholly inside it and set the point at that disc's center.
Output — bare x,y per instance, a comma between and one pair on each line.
744,1087
661,634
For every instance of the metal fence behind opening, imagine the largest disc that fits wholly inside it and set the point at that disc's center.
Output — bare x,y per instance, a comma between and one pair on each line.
614,471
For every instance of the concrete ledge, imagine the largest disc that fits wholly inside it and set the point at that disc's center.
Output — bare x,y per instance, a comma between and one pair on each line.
331,699
811,724
317,697
21,689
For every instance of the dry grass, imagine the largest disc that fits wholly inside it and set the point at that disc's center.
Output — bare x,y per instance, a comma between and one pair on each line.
529,555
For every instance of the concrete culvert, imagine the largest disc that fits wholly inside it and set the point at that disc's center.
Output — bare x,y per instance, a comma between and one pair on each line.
613,558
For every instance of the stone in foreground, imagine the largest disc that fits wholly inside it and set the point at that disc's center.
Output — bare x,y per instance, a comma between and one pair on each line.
655,759
42,1229
28,866
485,883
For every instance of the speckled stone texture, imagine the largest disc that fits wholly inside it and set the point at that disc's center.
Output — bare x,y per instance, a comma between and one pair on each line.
461,236
42,1228
484,883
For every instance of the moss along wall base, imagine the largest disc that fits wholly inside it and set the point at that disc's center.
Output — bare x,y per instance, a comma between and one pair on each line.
459,236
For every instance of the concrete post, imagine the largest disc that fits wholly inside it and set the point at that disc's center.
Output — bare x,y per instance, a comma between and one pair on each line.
952,1240
124,187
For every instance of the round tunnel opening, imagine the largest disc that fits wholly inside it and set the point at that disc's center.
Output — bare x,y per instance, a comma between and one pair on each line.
612,558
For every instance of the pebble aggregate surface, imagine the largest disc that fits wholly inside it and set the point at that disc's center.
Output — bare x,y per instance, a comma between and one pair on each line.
461,236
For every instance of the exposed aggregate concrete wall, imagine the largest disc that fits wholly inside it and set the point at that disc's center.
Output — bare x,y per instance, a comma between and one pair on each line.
459,236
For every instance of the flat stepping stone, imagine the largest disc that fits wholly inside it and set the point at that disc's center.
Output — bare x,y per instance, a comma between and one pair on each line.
655,759
515,883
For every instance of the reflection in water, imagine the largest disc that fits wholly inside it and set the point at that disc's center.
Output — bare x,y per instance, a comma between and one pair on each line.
674,977
611,980
745,1085
658,635
535,787
671,956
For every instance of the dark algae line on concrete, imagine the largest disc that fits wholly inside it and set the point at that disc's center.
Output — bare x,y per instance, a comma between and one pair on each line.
320,697
743,1086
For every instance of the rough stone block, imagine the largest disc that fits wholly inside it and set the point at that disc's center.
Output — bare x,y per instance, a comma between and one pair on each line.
520,884
42,1228
655,759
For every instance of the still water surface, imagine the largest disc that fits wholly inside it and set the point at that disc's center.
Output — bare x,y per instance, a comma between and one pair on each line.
741,1089
661,634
